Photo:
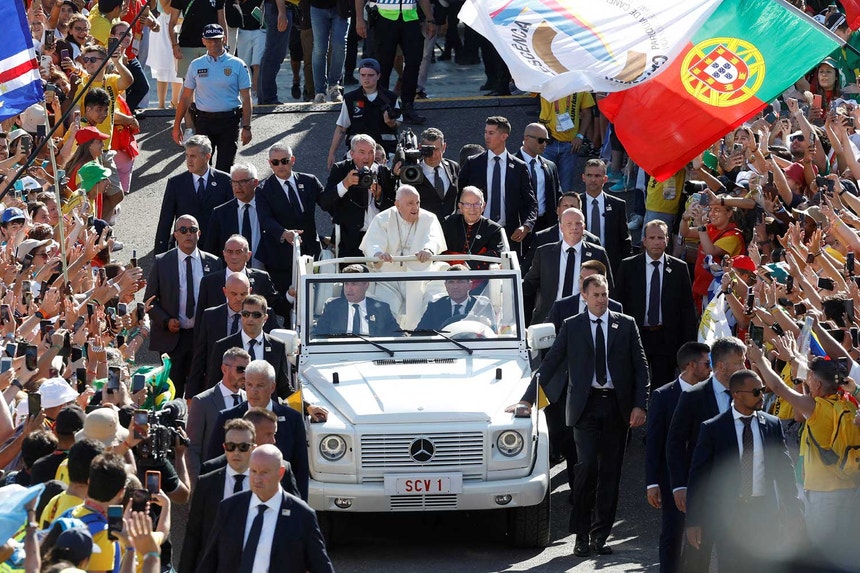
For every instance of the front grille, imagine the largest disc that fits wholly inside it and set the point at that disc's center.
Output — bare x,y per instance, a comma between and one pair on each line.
399,361
451,449
423,502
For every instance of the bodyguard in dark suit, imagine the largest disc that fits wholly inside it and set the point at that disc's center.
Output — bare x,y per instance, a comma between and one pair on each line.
742,481
569,306
350,205
604,399
543,174
291,199
196,192
552,234
340,316
550,277
258,344
438,189
694,361
457,305
655,289
283,534
469,232
290,438
504,180
174,281
701,402
611,221
242,215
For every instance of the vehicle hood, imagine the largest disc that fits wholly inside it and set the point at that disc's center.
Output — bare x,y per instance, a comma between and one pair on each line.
388,391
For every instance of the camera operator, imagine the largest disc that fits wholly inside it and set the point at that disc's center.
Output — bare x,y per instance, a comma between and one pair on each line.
369,109
356,191
432,175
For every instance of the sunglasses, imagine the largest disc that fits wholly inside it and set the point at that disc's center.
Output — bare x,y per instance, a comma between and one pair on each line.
797,137
282,161
755,391
254,313
540,140
239,369
242,446
90,59
186,230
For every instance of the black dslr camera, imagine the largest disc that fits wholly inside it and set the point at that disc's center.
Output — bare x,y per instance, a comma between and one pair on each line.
366,177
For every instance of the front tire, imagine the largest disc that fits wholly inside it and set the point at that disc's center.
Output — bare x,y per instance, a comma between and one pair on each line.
530,526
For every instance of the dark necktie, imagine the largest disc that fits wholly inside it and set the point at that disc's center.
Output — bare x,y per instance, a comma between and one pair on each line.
234,328
237,487
246,225
729,394
437,183
595,218
189,288
534,175
654,296
600,354
250,550
295,200
496,191
356,318
236,401
747,458
200,188
458,309
569,267
251,344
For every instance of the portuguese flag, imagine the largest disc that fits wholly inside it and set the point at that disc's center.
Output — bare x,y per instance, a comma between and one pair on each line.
745,55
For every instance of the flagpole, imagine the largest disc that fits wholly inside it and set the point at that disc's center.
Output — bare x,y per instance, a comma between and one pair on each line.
58,200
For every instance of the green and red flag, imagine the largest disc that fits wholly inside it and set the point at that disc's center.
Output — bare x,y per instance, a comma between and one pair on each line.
745,55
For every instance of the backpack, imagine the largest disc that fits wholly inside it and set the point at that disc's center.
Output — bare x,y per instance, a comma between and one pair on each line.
842,453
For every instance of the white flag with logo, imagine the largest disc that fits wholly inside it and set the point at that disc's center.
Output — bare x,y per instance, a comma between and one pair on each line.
558,47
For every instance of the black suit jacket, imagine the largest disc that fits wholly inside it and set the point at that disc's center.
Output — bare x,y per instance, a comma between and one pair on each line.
568,306
281,215
180,198
334,317
548,236
551,185
540,285
616,235
274,352
209,329
348,211
676,299
662,406
212,294
163,284
520,202
574,347
288,482
694,407
430,200
715,472
297,546
486,238
439,311
224,222
290,439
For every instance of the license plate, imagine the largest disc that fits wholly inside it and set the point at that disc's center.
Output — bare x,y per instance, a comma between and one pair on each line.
423,484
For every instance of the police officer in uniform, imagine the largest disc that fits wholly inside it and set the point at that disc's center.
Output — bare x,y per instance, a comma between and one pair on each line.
370,109
220,86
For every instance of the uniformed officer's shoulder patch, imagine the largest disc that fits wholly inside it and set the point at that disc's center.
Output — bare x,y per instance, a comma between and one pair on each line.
203,72
228,71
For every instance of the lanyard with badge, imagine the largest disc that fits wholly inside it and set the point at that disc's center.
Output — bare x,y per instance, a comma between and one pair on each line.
563,121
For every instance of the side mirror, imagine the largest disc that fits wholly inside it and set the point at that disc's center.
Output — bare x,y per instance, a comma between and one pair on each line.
290,338
540,336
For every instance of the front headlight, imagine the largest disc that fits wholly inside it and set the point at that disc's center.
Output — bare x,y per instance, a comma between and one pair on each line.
332,447
510,443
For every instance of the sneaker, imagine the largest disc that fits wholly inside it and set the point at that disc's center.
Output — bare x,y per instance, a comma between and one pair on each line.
334,94
635,222
187,134
296,91
621,185
117,246
319,98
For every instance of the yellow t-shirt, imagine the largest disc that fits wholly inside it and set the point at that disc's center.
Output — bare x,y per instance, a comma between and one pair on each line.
103,561
572,105
782,409
56,507
99,27
816,475
664,197
110,83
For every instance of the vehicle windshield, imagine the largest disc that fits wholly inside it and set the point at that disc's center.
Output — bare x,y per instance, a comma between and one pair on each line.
356,307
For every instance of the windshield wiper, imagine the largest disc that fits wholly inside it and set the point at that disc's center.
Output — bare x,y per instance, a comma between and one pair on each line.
448,338
356,335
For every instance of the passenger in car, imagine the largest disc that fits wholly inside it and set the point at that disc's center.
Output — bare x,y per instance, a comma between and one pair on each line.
355,313
458,305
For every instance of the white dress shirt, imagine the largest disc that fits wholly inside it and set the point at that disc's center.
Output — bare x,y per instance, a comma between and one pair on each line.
228,394
295,185
197,179
362,317
197,272
230,482
255,222
724,401
649,273
586,208
258,348
430,175
605,326
562,268
503,167
758,488
540,180
263,555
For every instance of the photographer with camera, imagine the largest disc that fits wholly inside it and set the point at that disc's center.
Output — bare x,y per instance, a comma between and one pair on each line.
356,191
424,167
370,109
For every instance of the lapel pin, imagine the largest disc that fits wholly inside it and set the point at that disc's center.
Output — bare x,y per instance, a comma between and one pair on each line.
614,325
214,183
608,208
285,512
668,270
267,349
477,236
587,253
282,419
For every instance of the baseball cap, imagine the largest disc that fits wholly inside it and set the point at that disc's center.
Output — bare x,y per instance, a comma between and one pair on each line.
12,214
27,246
102,425
87,134
370,63
795,171
743,263
76,544
813,211
213,31
56,392
69,420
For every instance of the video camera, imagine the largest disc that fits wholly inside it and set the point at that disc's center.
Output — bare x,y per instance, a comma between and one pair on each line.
408,153
164,426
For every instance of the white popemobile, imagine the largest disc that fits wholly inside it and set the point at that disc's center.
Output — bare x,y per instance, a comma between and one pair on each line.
417,418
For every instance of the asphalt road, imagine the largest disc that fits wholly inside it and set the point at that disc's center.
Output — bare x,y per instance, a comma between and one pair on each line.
428,542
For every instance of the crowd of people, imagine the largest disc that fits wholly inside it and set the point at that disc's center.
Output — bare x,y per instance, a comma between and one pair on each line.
738,273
